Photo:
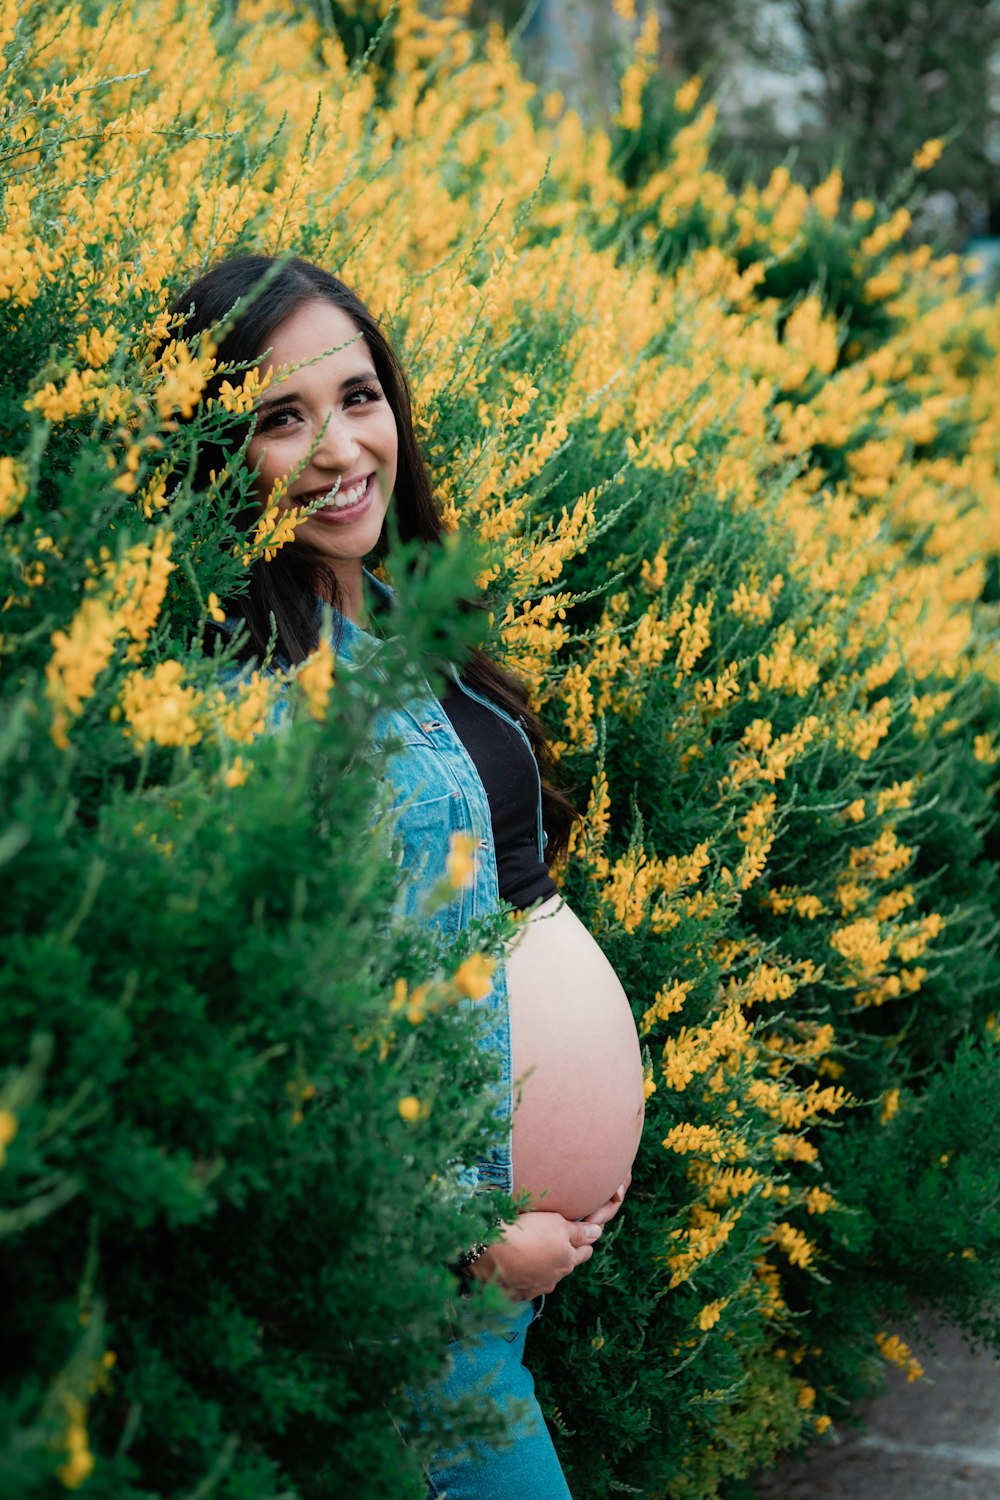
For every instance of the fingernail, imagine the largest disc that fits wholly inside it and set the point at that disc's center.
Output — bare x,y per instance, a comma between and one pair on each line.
621,1191
593,1230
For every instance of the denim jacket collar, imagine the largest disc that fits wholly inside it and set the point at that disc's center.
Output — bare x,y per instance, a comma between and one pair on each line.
353,643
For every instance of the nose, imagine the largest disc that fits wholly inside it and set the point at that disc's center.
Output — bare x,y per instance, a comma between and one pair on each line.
338,447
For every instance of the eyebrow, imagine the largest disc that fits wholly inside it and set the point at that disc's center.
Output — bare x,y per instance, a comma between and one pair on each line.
284,398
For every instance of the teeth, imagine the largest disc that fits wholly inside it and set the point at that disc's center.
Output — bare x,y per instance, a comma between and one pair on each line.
344,498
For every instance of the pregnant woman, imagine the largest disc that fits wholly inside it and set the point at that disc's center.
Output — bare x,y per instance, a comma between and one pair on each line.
335,422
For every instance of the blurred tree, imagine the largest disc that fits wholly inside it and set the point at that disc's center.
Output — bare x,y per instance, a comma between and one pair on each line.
862,82
867,79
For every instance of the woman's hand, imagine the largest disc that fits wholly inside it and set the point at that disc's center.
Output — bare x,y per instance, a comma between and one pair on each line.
536,1252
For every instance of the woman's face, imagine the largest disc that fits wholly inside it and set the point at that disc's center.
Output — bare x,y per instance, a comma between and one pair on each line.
332,400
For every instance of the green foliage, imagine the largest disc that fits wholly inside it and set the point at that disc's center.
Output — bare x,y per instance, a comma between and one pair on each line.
212,1130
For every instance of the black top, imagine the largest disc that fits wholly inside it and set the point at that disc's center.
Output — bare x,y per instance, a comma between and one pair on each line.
507,770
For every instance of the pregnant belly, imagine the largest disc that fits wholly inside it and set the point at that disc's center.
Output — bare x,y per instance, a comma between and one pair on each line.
578,1091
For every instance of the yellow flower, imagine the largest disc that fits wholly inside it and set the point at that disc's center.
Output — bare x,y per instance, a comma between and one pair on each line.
79,1463
79,391
96,348
886,234
927,154
823,1424
897,1352
410,1108
461,861
826,197
80,655
183,381
890,1105
818,1202
215,610
275,527
159,708
638,73
686,96
239,399
711,1313
796,1246
473,976
244,716
703,1140
79,1466
654,574
315,678
415,1011
237,773
12,487
8,1130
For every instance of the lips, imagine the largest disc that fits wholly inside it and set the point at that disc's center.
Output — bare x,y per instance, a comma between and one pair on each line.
350,500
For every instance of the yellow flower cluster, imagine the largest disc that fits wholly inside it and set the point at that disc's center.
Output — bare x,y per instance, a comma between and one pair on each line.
694,1051
897,1352
799,1249
638,72
241,715
123,599
473,977
704,1235
8,1130
273,528
158,708
315,679
12,487
706,1141
79,1462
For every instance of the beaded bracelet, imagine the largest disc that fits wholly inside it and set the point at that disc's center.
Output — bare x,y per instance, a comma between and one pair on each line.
469,1258
461,1266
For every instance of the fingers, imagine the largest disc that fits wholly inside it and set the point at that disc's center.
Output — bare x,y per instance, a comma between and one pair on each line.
583,1233
603,1214
607,1210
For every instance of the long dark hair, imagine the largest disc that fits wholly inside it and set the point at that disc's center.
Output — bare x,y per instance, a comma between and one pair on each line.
265,290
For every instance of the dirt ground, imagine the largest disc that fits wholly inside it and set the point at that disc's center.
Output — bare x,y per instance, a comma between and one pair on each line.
935,1439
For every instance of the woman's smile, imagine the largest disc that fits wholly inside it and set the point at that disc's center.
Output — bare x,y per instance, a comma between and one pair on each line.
346,504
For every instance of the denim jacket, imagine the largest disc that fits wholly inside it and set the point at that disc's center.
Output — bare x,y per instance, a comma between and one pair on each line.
435,791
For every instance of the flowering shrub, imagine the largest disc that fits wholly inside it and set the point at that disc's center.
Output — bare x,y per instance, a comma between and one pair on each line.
732,457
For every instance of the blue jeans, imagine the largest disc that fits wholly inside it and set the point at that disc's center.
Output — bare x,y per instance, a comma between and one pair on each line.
529,1468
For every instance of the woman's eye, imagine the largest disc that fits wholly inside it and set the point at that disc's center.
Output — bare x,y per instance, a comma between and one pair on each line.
282,416
360,394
